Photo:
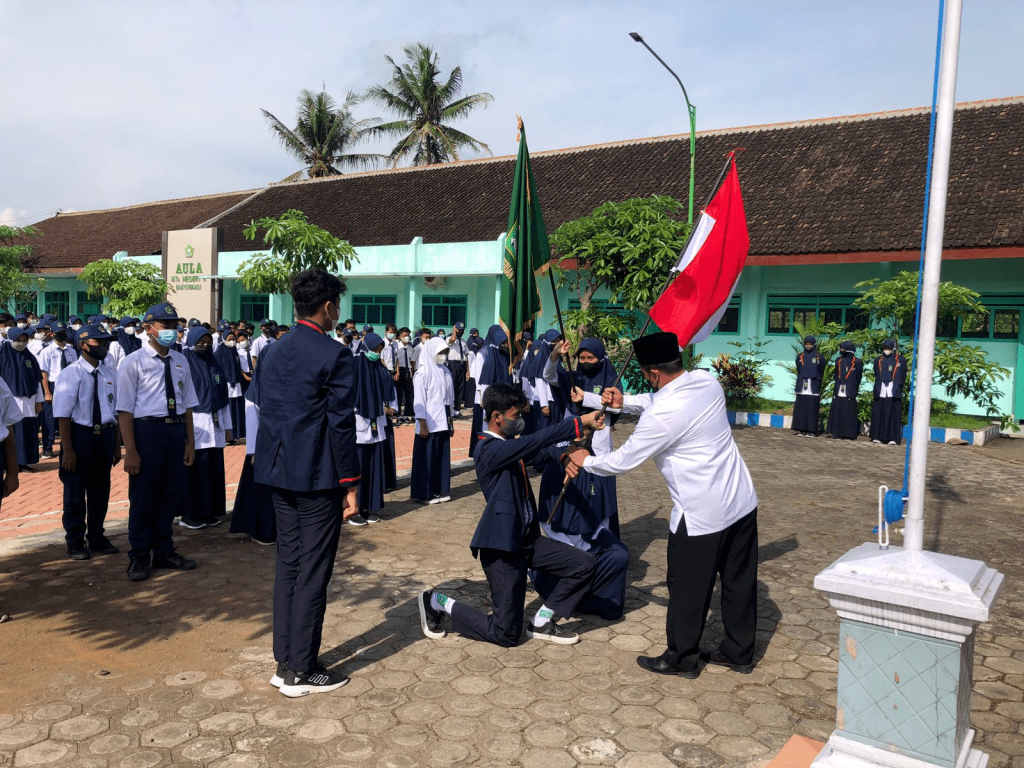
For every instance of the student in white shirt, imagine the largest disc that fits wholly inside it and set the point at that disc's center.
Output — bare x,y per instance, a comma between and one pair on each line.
85,406
268,335
434,407
55,357
403,384
713,523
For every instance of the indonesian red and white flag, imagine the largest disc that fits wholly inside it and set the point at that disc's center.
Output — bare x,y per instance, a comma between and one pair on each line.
709,268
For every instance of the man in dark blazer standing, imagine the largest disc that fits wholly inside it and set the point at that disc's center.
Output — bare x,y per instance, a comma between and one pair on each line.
508,539
306,452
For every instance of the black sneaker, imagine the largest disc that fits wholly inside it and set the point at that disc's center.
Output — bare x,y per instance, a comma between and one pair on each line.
431,620
47,455
278,679
552,633
138,567
370,517
192,525
102,546
173,562
213,522
357,521
78,551
320,680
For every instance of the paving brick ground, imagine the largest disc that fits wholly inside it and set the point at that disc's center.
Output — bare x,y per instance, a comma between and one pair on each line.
99,672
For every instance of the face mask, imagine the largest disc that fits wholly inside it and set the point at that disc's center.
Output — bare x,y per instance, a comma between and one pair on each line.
808,347
19,345
504,347
130,330
391,336
333,322
887,352
513,427
204,350
60,338
3,331
847,351
22,324
243,344
76,326
40,336
404,341
230,343
440,358
96,353
654,387
589,368
459,333
373,356
167,337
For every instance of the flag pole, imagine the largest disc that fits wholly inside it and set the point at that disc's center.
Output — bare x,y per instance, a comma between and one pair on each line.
561,329
588,441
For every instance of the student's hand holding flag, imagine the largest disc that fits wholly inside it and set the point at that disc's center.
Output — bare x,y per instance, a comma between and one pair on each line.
612,397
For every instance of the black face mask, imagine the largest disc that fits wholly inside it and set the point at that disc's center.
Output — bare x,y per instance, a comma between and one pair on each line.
96,353
589,368
513,427
203,351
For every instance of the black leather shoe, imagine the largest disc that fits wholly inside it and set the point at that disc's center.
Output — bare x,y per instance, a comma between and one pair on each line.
102,546
138,568
78,551
715,657
659,666
174,562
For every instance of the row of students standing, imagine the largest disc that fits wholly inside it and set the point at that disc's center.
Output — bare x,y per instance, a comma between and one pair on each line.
890,374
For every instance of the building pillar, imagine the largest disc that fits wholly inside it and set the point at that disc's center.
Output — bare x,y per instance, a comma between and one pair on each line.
906,657
413,299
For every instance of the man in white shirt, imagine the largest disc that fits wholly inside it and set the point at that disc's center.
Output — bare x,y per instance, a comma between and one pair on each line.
458,365
85,405
684,429
267,337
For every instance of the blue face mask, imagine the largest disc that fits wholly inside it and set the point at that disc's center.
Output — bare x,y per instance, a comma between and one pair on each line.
374,356
390,336
167,337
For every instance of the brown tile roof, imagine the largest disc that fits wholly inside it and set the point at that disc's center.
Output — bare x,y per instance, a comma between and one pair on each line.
836,185
72,240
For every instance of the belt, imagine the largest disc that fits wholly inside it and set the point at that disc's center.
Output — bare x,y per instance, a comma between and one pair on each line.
163,419
93,428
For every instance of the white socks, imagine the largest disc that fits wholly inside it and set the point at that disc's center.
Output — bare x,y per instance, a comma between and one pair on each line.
542,617
441,602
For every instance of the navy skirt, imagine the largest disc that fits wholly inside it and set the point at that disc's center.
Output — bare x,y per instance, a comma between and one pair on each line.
431,466
205,488
805,414
390,468
887,420
237,410
842,418
478,427
254,507
372,458
26,436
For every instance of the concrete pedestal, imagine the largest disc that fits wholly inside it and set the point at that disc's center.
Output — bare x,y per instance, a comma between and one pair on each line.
906,655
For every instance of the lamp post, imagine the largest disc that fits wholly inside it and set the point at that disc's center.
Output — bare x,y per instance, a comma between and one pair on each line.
691,110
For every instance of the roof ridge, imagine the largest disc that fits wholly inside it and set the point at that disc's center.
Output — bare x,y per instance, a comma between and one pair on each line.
162,202
854,118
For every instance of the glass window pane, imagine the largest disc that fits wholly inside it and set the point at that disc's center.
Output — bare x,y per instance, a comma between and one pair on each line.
856,319
443,311
58,303
1006,324
945,328
374,310
255,308
730,322
832,315
975,326
88,304
778,320
804,315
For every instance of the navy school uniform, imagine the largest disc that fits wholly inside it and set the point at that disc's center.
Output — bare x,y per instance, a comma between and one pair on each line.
810,369
253,513
887,405
842,413
508,540
23,376
231,367
372,395
494,368
305,451
87,396
52,360
157,391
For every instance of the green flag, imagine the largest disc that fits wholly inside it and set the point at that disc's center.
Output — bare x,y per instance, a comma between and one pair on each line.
526,252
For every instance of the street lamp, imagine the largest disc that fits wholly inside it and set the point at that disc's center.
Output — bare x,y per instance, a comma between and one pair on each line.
691,110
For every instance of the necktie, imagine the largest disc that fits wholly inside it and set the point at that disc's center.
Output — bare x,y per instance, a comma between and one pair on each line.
169,387
97,415
248,360
63,360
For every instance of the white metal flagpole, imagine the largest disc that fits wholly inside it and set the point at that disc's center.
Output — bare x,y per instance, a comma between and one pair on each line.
925,351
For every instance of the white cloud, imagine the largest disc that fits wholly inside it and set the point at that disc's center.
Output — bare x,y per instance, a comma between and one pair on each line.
17,217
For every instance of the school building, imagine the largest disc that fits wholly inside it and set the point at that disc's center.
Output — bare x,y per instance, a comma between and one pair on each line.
829,202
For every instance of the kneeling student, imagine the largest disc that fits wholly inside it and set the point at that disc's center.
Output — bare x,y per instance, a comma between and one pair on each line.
85,406
508,540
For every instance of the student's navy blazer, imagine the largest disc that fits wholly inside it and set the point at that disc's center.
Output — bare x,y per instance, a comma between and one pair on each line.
306,439
509,522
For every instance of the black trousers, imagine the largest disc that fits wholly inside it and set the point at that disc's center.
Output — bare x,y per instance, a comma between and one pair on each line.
48,426
693,564
405,392
506,576
457,368
154,495
308,526
87,489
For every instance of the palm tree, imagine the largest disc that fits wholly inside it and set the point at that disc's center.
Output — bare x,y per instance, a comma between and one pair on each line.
323,133
425,108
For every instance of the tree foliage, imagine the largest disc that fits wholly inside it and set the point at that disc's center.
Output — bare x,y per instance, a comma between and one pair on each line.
13,252
324,134
295,245
129,287
743,376
426,109
626,249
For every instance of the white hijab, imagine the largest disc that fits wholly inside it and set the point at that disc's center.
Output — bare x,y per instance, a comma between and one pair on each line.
435,379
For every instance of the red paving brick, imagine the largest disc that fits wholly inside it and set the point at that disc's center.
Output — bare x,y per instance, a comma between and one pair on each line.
36,507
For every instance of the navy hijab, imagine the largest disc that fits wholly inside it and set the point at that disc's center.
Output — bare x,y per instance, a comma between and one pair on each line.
494,369
207,377
129,343
806,367
595,382
886,373
370,393
19,370
228,360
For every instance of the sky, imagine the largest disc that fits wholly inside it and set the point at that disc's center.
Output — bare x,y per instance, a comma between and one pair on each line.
106,103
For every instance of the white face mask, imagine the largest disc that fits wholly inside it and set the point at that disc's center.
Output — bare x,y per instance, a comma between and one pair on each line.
76,326
19,345
441,358
405,341
243,344
3,331
40,336
230,343
887,352
22,324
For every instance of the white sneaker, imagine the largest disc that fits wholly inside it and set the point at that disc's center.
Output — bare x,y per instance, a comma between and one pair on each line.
443,499
892,442
356,520
877,442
